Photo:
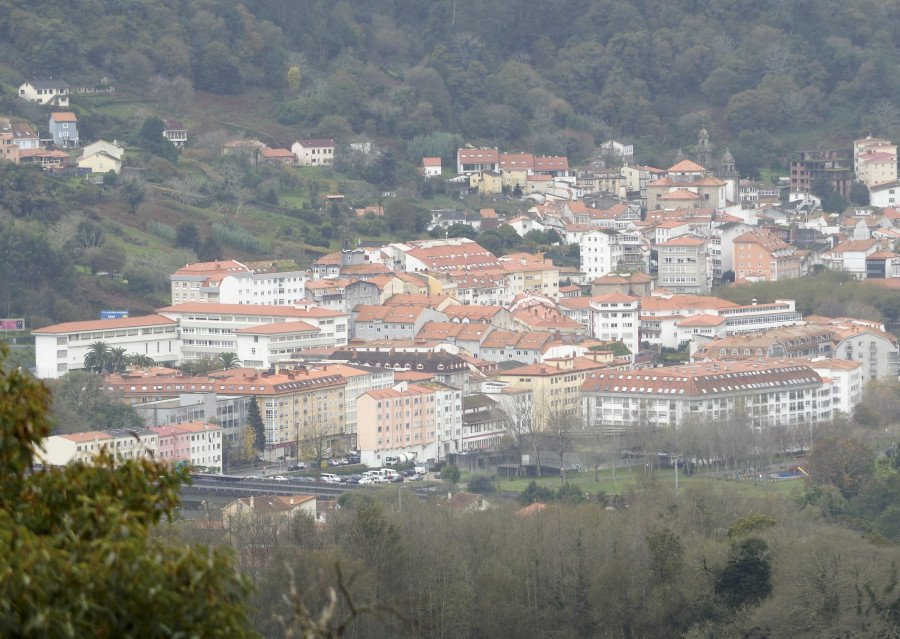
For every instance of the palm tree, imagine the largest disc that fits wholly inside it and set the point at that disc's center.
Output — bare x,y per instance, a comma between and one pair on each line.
229,360
118,358
143,361
97,357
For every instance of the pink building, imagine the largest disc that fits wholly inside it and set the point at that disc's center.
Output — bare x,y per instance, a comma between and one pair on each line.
198,443
396,421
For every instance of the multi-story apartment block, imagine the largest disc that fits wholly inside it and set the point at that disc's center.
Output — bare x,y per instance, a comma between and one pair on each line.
763,392
302,408
197,443
554,386
207,329
122,445
761,256
833,166
615,317
398,420
231,282
684,265
866,147
62,347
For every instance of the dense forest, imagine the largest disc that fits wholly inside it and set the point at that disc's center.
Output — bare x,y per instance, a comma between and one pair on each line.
555,78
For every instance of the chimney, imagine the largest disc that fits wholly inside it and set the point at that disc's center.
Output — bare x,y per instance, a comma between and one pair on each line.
251,502
292,501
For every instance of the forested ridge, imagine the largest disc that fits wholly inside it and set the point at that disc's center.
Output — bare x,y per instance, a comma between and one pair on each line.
553,78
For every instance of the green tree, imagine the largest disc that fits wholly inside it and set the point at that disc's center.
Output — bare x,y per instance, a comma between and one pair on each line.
835,203
118,358
859,194
210,250
78,555
451,474
459,229
187,236
97,357
150,137
481,484
218,71
747,577
255,421
293,79
821,188
229,360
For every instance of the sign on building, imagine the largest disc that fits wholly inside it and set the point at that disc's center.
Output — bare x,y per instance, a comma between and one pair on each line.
113,314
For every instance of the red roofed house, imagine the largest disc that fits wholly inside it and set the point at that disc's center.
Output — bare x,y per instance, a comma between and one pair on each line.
277,156
314,152
431,167
176,133
762,257
64,128
477,160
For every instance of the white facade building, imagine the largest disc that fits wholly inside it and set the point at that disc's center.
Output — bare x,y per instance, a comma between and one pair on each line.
768,392
208,329
231,282
62,347
616,317
123,445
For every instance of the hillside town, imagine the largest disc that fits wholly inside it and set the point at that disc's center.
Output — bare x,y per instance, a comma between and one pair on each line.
430,349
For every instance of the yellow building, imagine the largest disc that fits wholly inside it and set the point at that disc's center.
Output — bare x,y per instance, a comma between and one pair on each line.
554,386
486,182
531,274
302,409
100,162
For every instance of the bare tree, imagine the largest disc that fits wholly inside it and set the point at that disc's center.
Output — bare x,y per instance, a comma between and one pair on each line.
185,189
885,116
65,230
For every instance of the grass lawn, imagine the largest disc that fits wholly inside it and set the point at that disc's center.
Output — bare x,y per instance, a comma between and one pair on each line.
636,481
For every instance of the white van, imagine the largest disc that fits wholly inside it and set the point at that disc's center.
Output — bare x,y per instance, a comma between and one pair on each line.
330,478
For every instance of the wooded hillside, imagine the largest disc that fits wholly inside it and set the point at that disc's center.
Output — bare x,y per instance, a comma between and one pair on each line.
554,78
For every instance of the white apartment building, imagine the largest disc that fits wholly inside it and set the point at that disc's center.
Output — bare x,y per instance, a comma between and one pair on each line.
231,282
769,392
601,253
207,329
123,445
263,345
846,381
616,317
62,347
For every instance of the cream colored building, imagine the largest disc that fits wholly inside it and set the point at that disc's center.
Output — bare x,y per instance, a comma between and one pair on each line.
123,445
554,387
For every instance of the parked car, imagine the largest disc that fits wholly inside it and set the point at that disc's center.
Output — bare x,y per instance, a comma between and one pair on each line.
396,479
298,466
279,478
328,478
366,481
416,477
253,478
353,459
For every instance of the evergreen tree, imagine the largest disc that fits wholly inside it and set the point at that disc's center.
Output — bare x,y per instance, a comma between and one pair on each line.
255,421
79,558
